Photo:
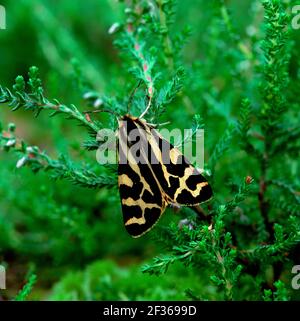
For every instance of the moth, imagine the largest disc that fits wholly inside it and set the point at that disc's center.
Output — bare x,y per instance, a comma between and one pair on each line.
153,174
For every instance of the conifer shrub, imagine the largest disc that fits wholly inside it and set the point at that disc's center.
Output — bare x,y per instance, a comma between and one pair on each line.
231,68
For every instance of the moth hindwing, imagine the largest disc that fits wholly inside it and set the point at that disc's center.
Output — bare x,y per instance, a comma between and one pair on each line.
150,178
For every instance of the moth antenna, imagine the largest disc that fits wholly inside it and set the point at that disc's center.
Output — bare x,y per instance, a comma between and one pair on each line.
158,125
102,111
147,108
132,95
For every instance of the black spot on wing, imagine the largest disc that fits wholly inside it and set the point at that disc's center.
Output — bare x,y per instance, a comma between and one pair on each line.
131,211
186,198
174,185
147,197
193,180
127,191
205,193
151,215
131,191
177,169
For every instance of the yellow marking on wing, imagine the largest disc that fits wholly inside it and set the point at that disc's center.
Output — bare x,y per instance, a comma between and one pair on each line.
124,179
135,220
131,202
174,156
188,172
135,167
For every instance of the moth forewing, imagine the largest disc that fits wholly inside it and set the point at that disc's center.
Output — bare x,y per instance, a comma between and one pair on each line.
141,198
152,175
178,178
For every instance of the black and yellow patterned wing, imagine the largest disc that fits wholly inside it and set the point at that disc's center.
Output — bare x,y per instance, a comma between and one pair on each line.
141,197
178,178
149,181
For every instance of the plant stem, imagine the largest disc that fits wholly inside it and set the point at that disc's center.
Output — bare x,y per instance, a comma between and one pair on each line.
168,48
72,112
228,285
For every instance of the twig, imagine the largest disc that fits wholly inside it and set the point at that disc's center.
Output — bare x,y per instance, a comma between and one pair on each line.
132,95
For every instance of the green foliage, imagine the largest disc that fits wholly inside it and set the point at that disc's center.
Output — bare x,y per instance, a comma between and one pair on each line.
104,280
27,288
238,78
281,293
208,244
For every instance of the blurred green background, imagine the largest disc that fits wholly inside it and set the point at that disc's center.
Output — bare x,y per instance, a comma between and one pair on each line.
71,237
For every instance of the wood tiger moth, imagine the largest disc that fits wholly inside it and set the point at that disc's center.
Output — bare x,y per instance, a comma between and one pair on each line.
152,175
